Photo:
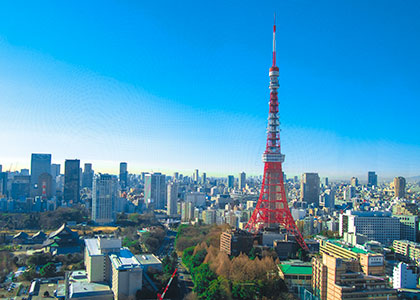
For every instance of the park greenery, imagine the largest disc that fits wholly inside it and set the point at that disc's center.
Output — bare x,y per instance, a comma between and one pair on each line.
48,220
217,276
188,236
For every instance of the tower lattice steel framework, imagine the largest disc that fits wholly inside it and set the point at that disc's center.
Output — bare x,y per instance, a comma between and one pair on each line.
272,209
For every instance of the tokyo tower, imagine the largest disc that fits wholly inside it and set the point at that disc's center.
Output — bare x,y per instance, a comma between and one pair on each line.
272,209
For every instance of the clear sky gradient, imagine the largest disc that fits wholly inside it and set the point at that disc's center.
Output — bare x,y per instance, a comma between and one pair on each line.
178,85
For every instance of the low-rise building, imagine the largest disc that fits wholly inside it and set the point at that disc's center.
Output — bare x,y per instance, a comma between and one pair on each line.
407,250
370,262
296,274
63,241
149,261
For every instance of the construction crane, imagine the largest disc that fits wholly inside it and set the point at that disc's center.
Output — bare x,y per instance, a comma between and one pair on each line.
161,296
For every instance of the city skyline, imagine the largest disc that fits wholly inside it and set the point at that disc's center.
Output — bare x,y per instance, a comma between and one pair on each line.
107,92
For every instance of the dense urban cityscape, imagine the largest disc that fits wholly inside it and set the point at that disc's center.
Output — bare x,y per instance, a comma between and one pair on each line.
121,235
71,231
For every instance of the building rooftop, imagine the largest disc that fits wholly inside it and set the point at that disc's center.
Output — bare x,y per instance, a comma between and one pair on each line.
124,260
79,275
296,269
148,259
92,247
96,245
84,289
353,249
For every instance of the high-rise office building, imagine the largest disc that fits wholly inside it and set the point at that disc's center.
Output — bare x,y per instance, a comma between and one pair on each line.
123,175
46,186
196,176
72,181
329,198
377,226
349,193
326,181
309,188
172,199
203,178
198,199
55,170
354,181
399,187
176,175
40,163
242,180
21,187
104,198
230,181
87,176
409,227
155,190
3,184
372,178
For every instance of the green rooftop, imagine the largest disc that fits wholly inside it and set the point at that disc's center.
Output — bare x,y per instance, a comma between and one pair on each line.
353,249
295,270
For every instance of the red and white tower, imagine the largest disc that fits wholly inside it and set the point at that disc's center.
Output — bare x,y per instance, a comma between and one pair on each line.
272,210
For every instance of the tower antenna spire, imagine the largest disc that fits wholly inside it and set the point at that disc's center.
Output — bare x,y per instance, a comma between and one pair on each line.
274,41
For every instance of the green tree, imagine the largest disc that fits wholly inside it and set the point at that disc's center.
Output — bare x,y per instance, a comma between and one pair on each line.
216,290
198,258
48,270
244,290
202,278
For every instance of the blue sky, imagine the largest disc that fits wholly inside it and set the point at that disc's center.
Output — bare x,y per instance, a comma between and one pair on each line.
179,85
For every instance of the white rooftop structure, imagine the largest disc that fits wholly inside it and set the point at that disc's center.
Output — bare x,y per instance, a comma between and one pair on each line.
124,260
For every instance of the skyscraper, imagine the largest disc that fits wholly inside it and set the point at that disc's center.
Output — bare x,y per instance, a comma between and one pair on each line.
172,199
354,181
72,181
372,179
155,190
87,177
40,163
309,188
399,187
20,187
104,197
230,181
123,175
196,176
3,184
55,170
203,178
242,180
